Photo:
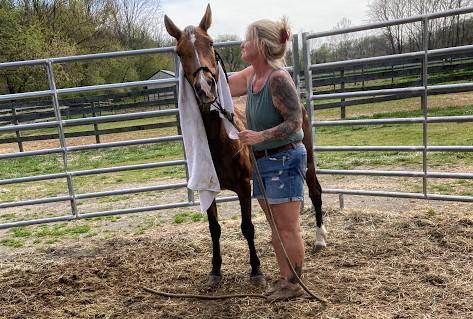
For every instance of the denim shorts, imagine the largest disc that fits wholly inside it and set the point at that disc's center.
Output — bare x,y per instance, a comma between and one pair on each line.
283,175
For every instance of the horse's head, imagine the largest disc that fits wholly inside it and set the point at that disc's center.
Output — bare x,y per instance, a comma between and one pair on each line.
195,49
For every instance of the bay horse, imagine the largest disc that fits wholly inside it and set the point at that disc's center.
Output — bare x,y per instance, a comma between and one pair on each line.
232,161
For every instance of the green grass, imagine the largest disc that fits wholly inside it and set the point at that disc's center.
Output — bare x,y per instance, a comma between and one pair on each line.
112,218
110,125
125,155
61,230
186,216
395,134
180,218
91,159
8,217
197,217
48,234
21,232
13,243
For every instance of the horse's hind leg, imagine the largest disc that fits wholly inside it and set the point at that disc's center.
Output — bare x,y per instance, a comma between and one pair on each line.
315,191
315,194
248,230
215,275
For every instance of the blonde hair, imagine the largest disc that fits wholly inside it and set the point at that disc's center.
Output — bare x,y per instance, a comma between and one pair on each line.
270,38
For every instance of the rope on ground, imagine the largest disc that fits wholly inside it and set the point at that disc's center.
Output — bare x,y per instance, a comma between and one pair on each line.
214,297
203,297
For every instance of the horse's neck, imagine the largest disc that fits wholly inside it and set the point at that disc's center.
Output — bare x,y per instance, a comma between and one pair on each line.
213,126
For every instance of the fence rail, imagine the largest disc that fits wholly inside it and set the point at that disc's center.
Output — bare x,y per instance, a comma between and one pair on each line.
421,89
58,122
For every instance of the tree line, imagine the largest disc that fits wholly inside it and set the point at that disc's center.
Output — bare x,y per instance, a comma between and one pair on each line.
33,29
443,32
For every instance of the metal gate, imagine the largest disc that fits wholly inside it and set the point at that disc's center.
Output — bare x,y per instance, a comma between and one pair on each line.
68,175
423,91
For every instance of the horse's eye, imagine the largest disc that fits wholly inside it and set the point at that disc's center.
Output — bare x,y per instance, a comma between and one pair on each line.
211,43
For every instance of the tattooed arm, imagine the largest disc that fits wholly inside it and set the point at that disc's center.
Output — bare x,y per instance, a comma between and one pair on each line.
287,103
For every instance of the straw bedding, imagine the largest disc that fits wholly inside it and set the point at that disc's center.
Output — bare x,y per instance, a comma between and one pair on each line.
377,265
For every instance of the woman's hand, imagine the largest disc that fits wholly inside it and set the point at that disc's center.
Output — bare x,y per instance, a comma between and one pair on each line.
249,137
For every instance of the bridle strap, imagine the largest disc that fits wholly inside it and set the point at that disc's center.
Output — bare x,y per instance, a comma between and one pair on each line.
203,68
228,115
219,59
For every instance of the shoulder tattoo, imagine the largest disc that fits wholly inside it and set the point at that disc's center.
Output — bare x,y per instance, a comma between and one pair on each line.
286,101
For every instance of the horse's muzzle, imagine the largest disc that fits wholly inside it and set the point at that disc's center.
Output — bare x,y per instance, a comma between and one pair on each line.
206,91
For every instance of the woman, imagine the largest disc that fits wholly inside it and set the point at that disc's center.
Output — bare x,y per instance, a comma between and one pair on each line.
274,120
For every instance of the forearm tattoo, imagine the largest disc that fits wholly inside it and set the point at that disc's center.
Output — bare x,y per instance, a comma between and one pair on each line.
286,101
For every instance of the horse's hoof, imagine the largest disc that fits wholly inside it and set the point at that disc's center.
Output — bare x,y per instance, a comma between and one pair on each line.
258,280
213,282
317,248
320,238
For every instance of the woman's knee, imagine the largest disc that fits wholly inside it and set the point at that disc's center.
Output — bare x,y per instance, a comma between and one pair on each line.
288,231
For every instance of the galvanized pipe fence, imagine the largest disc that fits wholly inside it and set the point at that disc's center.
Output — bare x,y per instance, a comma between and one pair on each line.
422,91
308,68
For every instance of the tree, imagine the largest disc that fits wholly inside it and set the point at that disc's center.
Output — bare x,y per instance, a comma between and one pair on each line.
443,32
230,55
341,44
33,29
23,41
135,21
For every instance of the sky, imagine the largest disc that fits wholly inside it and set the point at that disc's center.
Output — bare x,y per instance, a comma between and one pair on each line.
233,16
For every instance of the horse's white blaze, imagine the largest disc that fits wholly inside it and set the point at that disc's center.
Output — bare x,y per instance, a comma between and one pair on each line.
202,80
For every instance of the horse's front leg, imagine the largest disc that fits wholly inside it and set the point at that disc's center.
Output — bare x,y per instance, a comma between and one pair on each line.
215,275
248,230
315,191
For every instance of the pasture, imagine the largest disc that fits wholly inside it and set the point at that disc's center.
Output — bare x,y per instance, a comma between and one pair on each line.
406,134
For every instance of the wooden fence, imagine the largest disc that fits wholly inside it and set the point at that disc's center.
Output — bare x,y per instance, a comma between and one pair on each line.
82,107
384,75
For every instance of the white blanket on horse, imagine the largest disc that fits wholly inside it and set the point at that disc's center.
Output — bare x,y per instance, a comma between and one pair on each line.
202,174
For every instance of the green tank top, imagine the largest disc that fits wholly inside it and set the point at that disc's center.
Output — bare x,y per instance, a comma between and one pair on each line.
261,114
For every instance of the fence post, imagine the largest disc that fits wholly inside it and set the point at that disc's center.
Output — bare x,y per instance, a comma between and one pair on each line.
424,97
342,89
18,133
341,201
363,77
62,140
307,77
295,63
392,76
96,126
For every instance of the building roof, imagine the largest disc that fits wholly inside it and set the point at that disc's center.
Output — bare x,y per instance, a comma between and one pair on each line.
162,74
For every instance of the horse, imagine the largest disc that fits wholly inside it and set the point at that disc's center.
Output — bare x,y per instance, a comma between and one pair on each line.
232,161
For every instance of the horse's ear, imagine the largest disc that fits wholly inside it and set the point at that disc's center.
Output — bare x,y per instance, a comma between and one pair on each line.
172,29
206,19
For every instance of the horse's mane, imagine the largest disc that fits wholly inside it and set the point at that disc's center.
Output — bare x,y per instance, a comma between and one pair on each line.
239,105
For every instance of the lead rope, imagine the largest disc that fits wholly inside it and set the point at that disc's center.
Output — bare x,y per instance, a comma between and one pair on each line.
229,116
274,229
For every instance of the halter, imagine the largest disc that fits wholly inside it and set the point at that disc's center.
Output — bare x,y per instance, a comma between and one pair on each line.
217,101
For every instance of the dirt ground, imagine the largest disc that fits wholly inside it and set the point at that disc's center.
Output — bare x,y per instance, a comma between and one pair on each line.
411,261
